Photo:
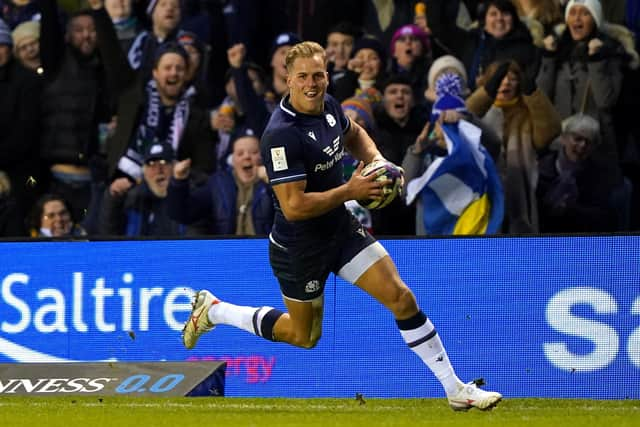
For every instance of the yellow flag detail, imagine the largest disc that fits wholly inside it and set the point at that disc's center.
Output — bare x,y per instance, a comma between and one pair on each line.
475,218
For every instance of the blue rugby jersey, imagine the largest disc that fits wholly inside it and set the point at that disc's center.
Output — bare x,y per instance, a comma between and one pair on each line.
296,147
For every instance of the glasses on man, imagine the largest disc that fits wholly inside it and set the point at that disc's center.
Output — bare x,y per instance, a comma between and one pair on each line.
154,163
59,214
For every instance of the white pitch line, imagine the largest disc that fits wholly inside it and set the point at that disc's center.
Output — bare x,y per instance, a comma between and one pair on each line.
223,406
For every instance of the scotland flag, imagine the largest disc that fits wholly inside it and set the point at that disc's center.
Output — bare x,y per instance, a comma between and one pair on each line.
461,192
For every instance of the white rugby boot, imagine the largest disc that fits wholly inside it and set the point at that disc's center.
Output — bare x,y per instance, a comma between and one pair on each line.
471,396
198,322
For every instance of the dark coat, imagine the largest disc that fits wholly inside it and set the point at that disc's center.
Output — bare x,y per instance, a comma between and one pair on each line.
392,141
20,91
216,202
589,209
137,213
74,99
11,220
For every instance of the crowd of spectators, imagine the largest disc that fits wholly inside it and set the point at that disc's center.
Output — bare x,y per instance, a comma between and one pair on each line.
143,117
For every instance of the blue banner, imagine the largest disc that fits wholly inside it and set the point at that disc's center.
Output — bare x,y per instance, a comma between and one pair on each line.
540,317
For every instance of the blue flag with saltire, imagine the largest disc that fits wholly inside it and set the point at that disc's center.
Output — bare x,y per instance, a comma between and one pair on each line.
462,193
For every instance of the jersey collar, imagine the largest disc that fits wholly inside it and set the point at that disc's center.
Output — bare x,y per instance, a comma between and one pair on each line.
286,106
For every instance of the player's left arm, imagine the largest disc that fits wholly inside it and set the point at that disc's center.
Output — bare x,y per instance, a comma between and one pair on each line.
358,142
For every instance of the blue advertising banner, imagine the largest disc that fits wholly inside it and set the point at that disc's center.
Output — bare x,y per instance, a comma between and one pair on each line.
540,317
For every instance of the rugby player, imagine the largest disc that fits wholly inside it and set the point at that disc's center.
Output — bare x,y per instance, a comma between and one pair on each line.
314,234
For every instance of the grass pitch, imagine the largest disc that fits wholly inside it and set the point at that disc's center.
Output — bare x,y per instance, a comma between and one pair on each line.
237,412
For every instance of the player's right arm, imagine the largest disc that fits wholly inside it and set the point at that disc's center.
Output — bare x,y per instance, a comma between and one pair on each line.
298,205
284,159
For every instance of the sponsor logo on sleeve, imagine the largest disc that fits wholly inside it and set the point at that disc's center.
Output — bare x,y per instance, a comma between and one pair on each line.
279,159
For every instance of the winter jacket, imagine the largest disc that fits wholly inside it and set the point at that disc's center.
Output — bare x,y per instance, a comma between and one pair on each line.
392,141
216,201
574,202
20,91
578,83
139,212
73,100
525,127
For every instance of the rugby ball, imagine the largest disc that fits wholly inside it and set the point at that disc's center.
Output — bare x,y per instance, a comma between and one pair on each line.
384,170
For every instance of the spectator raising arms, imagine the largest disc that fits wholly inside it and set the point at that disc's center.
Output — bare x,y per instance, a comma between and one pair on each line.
160,111
511,104
281,44
74,102
165,17
247,105
581,72
142,209
235,201
340,41
124,21
501,36
366,69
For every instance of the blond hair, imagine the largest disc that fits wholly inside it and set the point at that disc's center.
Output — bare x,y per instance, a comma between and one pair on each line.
304,50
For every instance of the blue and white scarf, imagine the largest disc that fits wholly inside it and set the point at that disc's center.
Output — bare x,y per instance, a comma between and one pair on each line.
148,132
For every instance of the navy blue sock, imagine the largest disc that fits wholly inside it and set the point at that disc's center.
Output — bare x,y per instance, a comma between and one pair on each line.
263,321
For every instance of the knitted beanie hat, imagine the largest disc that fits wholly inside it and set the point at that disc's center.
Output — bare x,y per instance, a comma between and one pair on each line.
448,90
370,42
594,6
410,30
443,63
25,31
363,108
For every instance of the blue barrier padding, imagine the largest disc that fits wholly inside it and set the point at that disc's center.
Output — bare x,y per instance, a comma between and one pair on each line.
539,316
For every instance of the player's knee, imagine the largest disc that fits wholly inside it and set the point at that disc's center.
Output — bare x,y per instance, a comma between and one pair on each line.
311,342
403,303
305,341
